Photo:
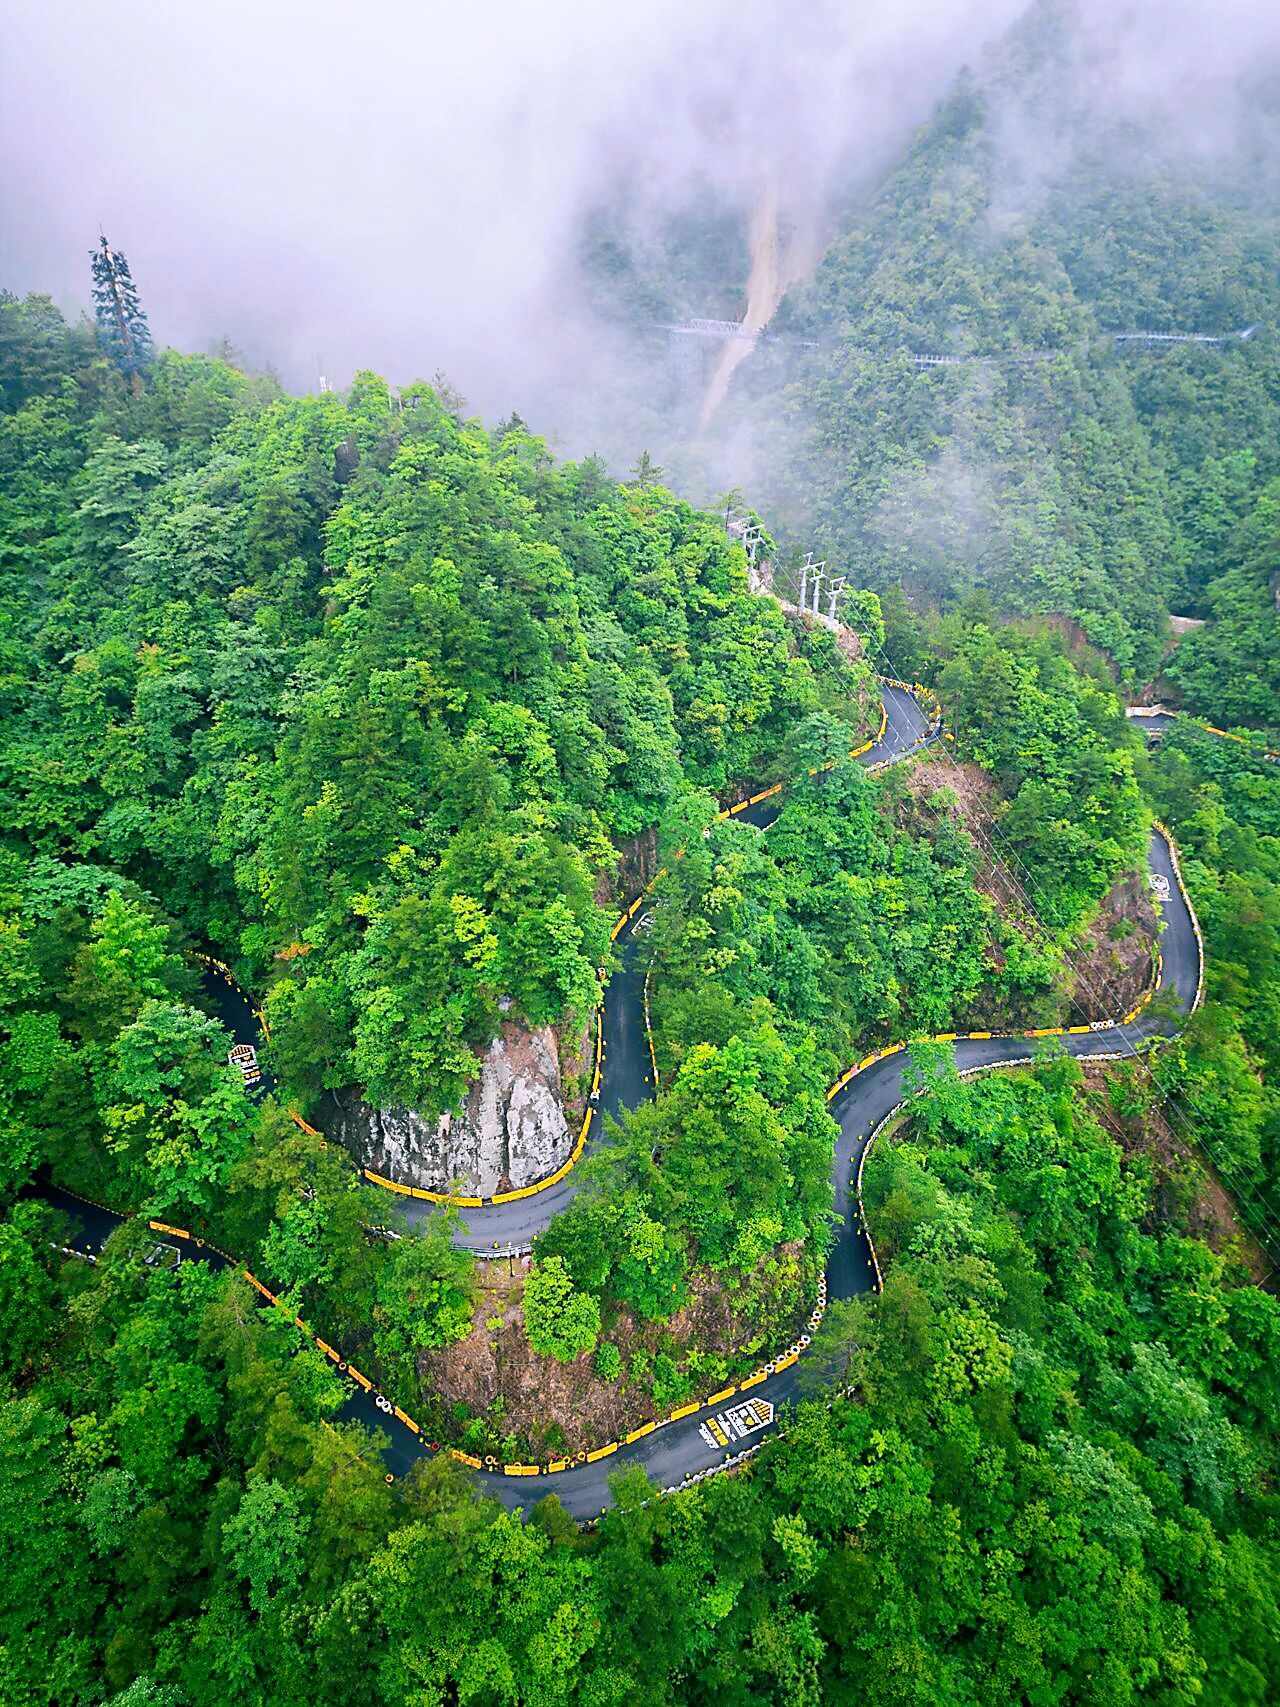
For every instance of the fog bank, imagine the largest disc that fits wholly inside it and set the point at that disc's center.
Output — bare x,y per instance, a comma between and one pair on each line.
405,187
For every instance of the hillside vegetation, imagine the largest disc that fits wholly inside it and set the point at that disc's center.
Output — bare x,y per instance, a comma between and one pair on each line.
385,707
1108,484
1061,473
360,694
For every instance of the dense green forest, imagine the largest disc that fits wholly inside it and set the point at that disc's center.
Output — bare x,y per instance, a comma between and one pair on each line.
1056,1477
1052,1477
364,699
1061,473
387,708
1107,484
361,695
1223,804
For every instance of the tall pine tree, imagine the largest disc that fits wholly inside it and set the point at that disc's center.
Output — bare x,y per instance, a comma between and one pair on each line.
123,332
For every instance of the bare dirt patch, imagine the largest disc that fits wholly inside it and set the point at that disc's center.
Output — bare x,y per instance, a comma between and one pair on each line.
850,644
1187,1192
971,800
636,868
553,1408
1110,965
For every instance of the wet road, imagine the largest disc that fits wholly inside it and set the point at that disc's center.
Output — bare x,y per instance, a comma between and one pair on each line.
702,1437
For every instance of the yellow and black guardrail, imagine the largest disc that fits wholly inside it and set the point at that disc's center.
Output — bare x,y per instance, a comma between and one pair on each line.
490,1464
468,1201
1135,712
798,1347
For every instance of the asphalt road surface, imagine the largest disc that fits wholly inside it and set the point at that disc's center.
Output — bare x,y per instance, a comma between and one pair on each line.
713,1433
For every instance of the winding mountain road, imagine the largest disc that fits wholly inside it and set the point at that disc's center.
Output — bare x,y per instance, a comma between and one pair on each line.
1154,720
701,1438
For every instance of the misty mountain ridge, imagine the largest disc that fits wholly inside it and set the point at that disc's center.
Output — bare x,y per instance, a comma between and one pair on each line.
1107,483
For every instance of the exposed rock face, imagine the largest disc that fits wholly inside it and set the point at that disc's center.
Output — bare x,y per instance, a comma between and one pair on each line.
511,1131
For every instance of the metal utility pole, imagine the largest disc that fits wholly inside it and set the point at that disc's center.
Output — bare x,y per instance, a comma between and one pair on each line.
747,533
816,570
833,589
807,568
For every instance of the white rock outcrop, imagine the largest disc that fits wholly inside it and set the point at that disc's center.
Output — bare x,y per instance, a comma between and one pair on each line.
511,1130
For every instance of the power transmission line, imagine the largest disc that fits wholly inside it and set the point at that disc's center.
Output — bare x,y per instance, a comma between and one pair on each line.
1243,1192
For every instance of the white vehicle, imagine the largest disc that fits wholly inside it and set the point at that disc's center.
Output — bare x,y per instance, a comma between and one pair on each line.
245,1057
162,1255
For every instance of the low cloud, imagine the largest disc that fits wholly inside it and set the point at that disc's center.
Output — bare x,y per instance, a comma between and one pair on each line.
405,188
